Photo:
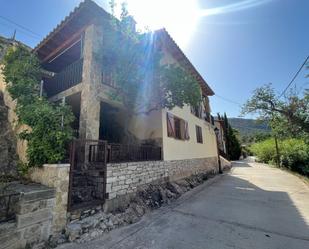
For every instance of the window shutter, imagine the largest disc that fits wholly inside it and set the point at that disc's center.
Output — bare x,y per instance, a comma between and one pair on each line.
170,125
183,129
200,111
192,109
187,137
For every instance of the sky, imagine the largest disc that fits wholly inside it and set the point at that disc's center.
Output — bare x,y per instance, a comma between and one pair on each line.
236,45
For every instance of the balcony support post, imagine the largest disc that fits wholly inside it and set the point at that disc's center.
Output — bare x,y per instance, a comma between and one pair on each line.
90,101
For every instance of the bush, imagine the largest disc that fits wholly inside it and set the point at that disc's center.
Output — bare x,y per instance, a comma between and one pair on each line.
50,123
294,154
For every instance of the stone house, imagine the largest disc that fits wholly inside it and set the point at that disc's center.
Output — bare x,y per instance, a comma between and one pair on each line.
104,169
184,138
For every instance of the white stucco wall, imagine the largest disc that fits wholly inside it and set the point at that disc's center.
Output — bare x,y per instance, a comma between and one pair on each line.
174,149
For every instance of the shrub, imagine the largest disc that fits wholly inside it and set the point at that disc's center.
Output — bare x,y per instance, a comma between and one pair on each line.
265,150
294,154
50,124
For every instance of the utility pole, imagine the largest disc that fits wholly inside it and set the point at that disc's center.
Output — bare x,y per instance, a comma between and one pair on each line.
276,145
14,36
277,151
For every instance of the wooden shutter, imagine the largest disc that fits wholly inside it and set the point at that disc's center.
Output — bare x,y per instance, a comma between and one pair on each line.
187,137
200,109
192,109
170,125
182,129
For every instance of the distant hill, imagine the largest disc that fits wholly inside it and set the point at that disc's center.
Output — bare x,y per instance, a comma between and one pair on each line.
247,127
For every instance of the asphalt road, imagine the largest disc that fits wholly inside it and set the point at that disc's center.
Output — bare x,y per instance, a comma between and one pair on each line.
252,207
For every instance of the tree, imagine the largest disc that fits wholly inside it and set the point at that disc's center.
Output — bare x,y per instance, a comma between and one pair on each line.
293,112
49,123
232,143
143,83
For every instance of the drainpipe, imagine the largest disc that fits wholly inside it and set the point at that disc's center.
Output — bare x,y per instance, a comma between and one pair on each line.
62,117
41,88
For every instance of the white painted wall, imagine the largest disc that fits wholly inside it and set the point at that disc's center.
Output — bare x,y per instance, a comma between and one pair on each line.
174,149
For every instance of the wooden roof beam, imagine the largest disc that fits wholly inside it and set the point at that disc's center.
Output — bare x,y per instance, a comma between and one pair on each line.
65,44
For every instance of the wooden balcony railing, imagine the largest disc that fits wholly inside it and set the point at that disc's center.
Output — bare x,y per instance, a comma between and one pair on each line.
108,78
209,118
70,76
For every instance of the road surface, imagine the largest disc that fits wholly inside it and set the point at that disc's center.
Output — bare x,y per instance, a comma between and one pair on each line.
252,207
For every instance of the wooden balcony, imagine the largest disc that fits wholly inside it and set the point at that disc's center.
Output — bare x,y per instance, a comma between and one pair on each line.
108,78
67,78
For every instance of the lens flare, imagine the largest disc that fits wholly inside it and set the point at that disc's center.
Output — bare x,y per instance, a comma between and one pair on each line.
179,17
241,5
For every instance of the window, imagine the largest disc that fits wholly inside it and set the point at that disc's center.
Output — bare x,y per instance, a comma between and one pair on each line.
177,124
199,135
197,110
177,127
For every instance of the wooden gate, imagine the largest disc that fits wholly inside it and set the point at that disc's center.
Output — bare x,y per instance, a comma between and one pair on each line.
87,186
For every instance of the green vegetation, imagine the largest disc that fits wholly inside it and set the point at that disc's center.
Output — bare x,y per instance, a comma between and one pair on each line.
232,142
250,130
289,121
294,154
144,83
49,124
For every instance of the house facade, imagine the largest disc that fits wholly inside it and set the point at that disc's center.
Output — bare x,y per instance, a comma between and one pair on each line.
181,137
106,166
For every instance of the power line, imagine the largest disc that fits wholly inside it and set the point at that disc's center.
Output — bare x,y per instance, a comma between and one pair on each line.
228,100
21,26
295,76
21,31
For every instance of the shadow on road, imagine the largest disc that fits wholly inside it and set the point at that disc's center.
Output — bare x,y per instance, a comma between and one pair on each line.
251,207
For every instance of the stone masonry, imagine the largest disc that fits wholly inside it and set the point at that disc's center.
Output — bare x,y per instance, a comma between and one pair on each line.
56,176
33,217
124,179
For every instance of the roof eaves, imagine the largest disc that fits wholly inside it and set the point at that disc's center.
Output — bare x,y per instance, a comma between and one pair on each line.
72,14
188,62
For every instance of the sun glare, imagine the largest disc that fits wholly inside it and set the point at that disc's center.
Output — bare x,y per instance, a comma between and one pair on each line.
179,17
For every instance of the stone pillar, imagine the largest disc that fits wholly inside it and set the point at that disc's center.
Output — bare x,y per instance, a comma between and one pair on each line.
57,177
90,102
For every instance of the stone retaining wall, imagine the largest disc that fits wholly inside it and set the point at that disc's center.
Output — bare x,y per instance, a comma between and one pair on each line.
123,179
56,176
225,164
33,217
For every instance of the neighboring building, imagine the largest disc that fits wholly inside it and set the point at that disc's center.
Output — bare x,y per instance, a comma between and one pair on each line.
168,144
219,123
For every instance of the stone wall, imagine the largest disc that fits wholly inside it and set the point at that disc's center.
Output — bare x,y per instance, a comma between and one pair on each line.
21,145
225,164
124,179
33,217
56,176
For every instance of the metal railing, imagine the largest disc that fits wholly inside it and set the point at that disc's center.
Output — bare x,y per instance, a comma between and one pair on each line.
7,206
70,76
117,153
89,158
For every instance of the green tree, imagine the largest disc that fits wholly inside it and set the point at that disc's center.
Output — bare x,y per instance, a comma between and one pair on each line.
143,83
291,114
232,143
49,123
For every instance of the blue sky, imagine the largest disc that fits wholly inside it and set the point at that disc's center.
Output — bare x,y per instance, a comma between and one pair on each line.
235,50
